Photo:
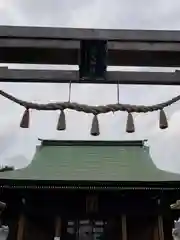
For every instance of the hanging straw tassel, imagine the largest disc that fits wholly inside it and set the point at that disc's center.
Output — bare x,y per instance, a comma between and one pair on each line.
25,119
163,123
61,126
95,126
130,124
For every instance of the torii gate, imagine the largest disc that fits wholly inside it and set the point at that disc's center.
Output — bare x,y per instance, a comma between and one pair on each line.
92,50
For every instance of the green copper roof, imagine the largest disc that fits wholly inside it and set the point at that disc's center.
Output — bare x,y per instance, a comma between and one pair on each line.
92,161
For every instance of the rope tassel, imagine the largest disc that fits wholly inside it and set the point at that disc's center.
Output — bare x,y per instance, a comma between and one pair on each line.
130,124
163,123
25,119
61,126
95,126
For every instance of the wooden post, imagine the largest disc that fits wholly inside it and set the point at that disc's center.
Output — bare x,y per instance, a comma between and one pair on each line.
21,224
160,227
155,231
124,227
57,228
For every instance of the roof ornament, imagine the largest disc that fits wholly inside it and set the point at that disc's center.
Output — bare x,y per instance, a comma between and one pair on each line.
96,110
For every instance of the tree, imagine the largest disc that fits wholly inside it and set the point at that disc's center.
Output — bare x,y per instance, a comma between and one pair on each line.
6,168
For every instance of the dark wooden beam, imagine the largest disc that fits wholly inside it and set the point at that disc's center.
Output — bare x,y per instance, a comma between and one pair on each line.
64,76
42,45
139,143
80,33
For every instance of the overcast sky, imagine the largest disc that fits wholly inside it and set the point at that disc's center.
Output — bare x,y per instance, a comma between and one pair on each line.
119,14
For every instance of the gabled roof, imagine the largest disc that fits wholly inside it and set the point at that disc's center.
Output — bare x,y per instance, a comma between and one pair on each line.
92,161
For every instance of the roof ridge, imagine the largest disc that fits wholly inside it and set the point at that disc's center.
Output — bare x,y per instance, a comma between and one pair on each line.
132,143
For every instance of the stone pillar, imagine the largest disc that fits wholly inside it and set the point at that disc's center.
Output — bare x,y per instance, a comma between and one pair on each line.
4,231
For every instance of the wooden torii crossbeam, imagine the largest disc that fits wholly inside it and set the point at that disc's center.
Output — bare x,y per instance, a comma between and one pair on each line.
92,50
66,76
44,45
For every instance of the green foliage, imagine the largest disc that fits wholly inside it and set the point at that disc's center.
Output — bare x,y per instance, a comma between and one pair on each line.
6,168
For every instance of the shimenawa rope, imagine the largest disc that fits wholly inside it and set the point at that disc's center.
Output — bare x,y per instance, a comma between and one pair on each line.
95,110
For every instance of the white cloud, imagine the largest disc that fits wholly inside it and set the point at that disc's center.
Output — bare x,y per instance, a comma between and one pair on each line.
165,145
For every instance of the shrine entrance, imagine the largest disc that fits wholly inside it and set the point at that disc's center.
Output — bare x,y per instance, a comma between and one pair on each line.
134,227
86,229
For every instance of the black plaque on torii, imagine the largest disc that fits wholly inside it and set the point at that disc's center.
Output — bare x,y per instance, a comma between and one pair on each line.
93,59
